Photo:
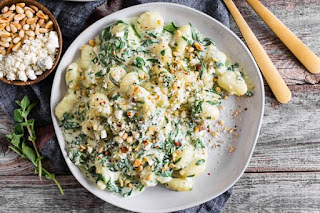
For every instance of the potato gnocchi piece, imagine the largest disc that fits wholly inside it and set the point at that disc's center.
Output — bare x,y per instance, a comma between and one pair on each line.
72,75
150,21
233,83
209,111
163,53
99,105
113,78
184,157
129,80
180,184
66,105
87,55
179,40
193,169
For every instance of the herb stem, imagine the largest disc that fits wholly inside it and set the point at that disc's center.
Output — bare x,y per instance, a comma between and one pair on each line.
33,140
54,179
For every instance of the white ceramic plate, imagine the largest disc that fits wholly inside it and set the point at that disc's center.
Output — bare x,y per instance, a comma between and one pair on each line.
225,168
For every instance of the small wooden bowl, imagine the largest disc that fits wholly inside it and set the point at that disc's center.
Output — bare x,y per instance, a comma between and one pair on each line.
56,28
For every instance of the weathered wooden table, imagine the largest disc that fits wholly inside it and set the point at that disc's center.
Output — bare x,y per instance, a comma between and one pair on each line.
284,172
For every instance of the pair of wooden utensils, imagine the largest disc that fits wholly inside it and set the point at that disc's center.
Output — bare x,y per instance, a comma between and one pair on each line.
294,44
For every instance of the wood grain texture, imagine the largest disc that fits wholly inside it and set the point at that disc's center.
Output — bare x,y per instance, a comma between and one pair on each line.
302,18
276,192
284,172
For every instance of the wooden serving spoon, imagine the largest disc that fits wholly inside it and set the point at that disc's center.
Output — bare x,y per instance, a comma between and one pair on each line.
269,71
294,44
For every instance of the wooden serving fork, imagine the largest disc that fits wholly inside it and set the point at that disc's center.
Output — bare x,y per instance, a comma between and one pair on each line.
269,71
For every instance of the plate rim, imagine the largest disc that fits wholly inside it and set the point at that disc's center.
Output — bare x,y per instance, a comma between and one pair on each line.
197,202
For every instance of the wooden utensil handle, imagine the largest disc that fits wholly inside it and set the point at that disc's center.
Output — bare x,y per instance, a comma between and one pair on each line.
269,71
294,44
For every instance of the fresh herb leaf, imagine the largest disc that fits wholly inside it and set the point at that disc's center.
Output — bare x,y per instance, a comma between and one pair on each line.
195,35
170,28
208,41
135,31
187,40
199,162
198,143
114,80
17,115
163,52
249,93
98,74
214,103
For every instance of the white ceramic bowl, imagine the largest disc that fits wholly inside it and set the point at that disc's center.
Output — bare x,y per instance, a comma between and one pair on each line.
225,168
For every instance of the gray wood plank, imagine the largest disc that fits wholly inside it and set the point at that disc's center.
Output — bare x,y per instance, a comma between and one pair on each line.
276,192
29,194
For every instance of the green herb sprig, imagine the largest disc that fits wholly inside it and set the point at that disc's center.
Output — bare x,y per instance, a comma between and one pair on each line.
17,138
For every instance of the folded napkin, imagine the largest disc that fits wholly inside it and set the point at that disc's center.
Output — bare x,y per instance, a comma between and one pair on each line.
73,18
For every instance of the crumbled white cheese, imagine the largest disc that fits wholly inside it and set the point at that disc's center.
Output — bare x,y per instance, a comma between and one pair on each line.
32,59
103,134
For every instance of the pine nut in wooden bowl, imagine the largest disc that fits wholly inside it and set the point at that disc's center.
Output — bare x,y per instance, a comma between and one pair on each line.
30,42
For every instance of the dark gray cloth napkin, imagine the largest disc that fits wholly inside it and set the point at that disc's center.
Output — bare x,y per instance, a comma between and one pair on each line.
73,18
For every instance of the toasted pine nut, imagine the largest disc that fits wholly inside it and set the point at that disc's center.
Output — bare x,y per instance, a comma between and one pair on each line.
19,9
92,42
13,28
37,29
18,26
41,21
16,46
8,27
3,52
21,33
40,14
49,25
19,17
4,44
23,21
4,20
198,46
31,38
13,7
30,33
2,26
34,8
43,30
9,49
7,14
148,177
29,14
4,34
7,39
11,17
5,9
21,4
33,26
26,27
26,8
16,40
31,21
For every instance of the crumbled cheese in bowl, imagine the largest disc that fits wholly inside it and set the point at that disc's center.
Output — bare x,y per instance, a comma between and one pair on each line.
32,60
